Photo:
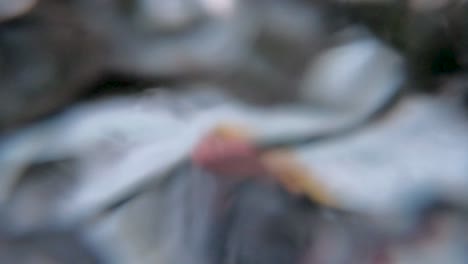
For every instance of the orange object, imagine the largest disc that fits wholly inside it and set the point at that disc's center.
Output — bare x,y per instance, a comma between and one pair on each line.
284,166
229,151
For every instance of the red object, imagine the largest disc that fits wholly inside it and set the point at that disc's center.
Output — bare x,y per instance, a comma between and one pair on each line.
227,156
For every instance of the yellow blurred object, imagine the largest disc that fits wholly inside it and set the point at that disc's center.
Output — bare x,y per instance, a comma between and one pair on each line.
231,132
295,178
284,166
